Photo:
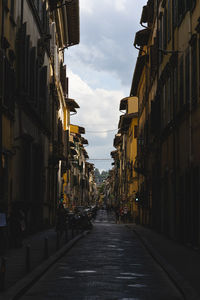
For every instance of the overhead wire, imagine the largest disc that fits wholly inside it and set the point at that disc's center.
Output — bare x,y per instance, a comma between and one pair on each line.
103,131
100,159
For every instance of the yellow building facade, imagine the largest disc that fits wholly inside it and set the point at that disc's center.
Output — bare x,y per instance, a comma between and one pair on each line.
167,87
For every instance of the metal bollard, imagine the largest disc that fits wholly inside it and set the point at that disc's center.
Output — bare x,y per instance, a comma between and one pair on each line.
28,258
46,248
2,274
58,241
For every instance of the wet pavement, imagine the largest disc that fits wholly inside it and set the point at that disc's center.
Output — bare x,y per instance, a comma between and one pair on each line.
108,264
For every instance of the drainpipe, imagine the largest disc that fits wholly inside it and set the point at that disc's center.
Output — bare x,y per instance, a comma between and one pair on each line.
1,103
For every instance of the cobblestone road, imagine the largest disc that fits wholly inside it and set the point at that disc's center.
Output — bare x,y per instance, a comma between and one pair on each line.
109,264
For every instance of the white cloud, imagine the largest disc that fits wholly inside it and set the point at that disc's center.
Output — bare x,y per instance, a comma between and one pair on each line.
99,108
120,5
100,69
86,6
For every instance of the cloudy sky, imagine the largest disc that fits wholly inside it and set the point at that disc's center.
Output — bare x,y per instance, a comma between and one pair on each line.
100,70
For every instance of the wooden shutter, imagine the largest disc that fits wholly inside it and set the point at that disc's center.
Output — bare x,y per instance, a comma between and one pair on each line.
63,78
181,83
194,69
187,77
43,88
33,74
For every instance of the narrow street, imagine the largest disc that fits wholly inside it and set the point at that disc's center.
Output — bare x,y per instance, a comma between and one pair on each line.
109,263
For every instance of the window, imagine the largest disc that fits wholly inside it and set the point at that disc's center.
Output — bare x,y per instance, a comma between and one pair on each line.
181,83
181,9
187,77
161,39
175,96
12,7
33,73
169,21
194,69
165,29
135,131
175,11
169,114
41,10
163,106
199,67
43,88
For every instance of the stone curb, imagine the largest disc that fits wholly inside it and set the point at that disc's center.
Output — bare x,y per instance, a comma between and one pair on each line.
182,285
16,291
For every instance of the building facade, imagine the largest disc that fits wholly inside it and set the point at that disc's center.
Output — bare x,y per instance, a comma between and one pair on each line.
166,82
34,106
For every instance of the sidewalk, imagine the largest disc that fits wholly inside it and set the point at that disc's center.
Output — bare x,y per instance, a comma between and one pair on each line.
180,262
17,266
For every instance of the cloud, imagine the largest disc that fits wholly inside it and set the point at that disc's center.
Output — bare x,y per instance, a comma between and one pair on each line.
107,31
101,67
98,113
99,108
87,7
121,5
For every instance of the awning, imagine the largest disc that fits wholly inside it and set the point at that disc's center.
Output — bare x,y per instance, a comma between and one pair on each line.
77,129
137,74
125,121
71,144
144,16
147,13
123,103
117,140
81,130
76,139
142,37
114,154
73,151
85,153
84,141
73,22
72,109
71,103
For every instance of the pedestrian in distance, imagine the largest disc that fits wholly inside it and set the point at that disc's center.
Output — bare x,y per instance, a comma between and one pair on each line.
61,219
3,230
17,226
